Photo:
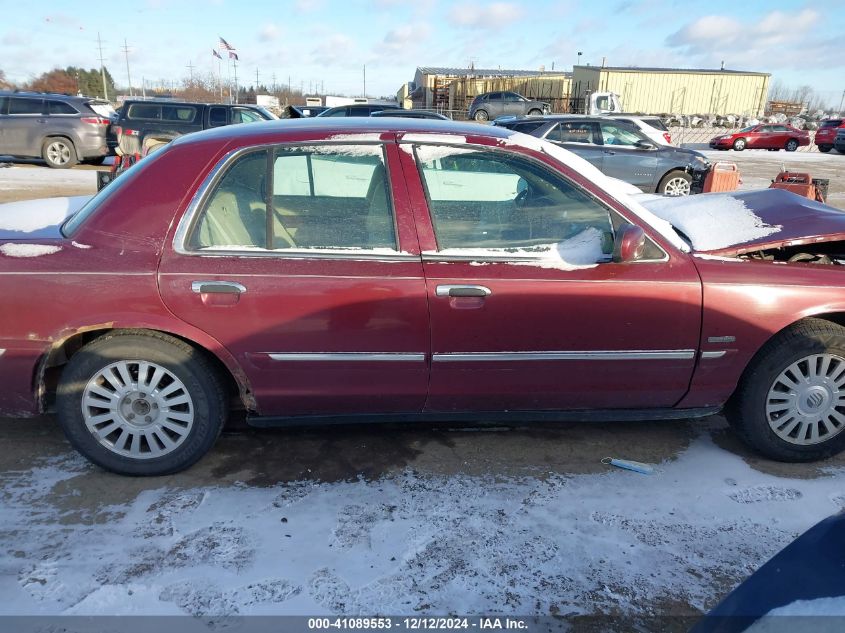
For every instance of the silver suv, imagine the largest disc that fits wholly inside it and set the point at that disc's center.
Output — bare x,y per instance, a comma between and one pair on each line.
61,129
490,105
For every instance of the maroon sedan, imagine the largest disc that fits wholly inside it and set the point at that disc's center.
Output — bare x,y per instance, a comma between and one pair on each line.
771,137
412,270
826,134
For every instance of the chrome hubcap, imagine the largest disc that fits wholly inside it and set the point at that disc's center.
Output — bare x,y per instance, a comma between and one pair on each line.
137,409
59,153
677,187
806,402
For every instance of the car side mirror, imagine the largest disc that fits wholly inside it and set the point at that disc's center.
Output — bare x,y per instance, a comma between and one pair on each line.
629,244
643,144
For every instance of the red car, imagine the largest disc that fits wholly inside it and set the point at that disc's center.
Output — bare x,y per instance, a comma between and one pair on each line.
768,136
826,134
382,269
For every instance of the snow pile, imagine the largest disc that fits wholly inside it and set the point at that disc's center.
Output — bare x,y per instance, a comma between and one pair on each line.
583,250
28,250
429,153
407,542
29,216
711,221
28,177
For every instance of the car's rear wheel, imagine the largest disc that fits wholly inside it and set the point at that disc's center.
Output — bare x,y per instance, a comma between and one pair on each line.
825,148
481,115
739,144
790,404
59,153
141,403
791,145
535,112
675,183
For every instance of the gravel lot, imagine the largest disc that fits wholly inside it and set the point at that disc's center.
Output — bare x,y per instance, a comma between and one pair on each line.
521,520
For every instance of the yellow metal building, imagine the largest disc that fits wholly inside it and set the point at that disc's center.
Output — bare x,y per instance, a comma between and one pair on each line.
676,90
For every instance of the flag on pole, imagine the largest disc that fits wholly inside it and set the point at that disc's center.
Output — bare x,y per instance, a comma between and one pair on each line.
216,54
225,46
233,55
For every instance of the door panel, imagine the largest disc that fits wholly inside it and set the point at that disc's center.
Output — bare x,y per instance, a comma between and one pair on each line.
316,329
528,313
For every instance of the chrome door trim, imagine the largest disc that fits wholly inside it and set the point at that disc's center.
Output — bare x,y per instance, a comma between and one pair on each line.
709,355
216,286
657,354
2,351
445,290
347,356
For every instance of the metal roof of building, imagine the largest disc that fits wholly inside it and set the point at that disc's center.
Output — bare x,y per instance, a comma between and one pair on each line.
648,69
486,72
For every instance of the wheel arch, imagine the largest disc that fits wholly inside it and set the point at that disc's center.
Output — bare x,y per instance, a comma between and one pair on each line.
50,367
662,176
63,135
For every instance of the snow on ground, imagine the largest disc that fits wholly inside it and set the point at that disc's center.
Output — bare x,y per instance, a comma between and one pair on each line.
406,543
42,177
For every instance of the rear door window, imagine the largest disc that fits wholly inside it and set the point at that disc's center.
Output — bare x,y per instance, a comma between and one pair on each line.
19,105
60,107
325,197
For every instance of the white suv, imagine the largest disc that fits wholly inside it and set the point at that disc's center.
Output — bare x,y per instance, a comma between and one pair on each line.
651,126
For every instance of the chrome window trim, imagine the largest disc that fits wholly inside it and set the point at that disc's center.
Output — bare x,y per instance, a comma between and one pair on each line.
347,356
186,223
460,357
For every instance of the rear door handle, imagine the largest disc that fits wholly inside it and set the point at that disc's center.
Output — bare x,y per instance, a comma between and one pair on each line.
218,287
449,290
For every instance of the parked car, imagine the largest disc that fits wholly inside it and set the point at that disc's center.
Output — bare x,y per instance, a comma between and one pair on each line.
839,141
411,114
796,588
620,150
356,109
323,270
490,105
826,134
652,126
146,126
768,136
61,129
302,111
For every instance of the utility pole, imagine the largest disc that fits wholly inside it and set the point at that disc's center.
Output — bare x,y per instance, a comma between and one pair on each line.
841,101
190,68
256,80
128,76
237,89
274,83
102,68
365,80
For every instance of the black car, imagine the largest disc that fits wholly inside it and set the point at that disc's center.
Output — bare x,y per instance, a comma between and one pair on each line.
839,142
620,150
145,126
411,114
62,129
357,109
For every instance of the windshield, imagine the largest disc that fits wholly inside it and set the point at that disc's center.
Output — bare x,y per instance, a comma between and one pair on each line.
267,114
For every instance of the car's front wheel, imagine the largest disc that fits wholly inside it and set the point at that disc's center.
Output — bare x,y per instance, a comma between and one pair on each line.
739,144
535,112
481,115
58,153
791,145
141,403
825,148
675,183
790,404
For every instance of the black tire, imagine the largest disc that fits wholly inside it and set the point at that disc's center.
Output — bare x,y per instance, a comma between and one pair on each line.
671,181
739,144
201,381
791,145
746,410
59,152
535,112
825,148
481,115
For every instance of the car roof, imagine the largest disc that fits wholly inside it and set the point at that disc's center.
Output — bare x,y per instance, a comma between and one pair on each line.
322,128
46,95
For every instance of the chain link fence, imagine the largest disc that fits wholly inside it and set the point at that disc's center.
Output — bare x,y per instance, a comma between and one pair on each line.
699,138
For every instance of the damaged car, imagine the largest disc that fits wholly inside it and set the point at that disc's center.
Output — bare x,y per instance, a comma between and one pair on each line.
375,269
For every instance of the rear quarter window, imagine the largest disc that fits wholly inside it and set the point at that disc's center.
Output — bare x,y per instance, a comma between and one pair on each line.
144,111
180,114
656,123
60,107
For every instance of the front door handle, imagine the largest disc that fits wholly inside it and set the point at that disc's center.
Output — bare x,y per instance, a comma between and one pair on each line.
218,287
449,290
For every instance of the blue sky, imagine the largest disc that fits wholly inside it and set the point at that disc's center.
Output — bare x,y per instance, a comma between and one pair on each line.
327,42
